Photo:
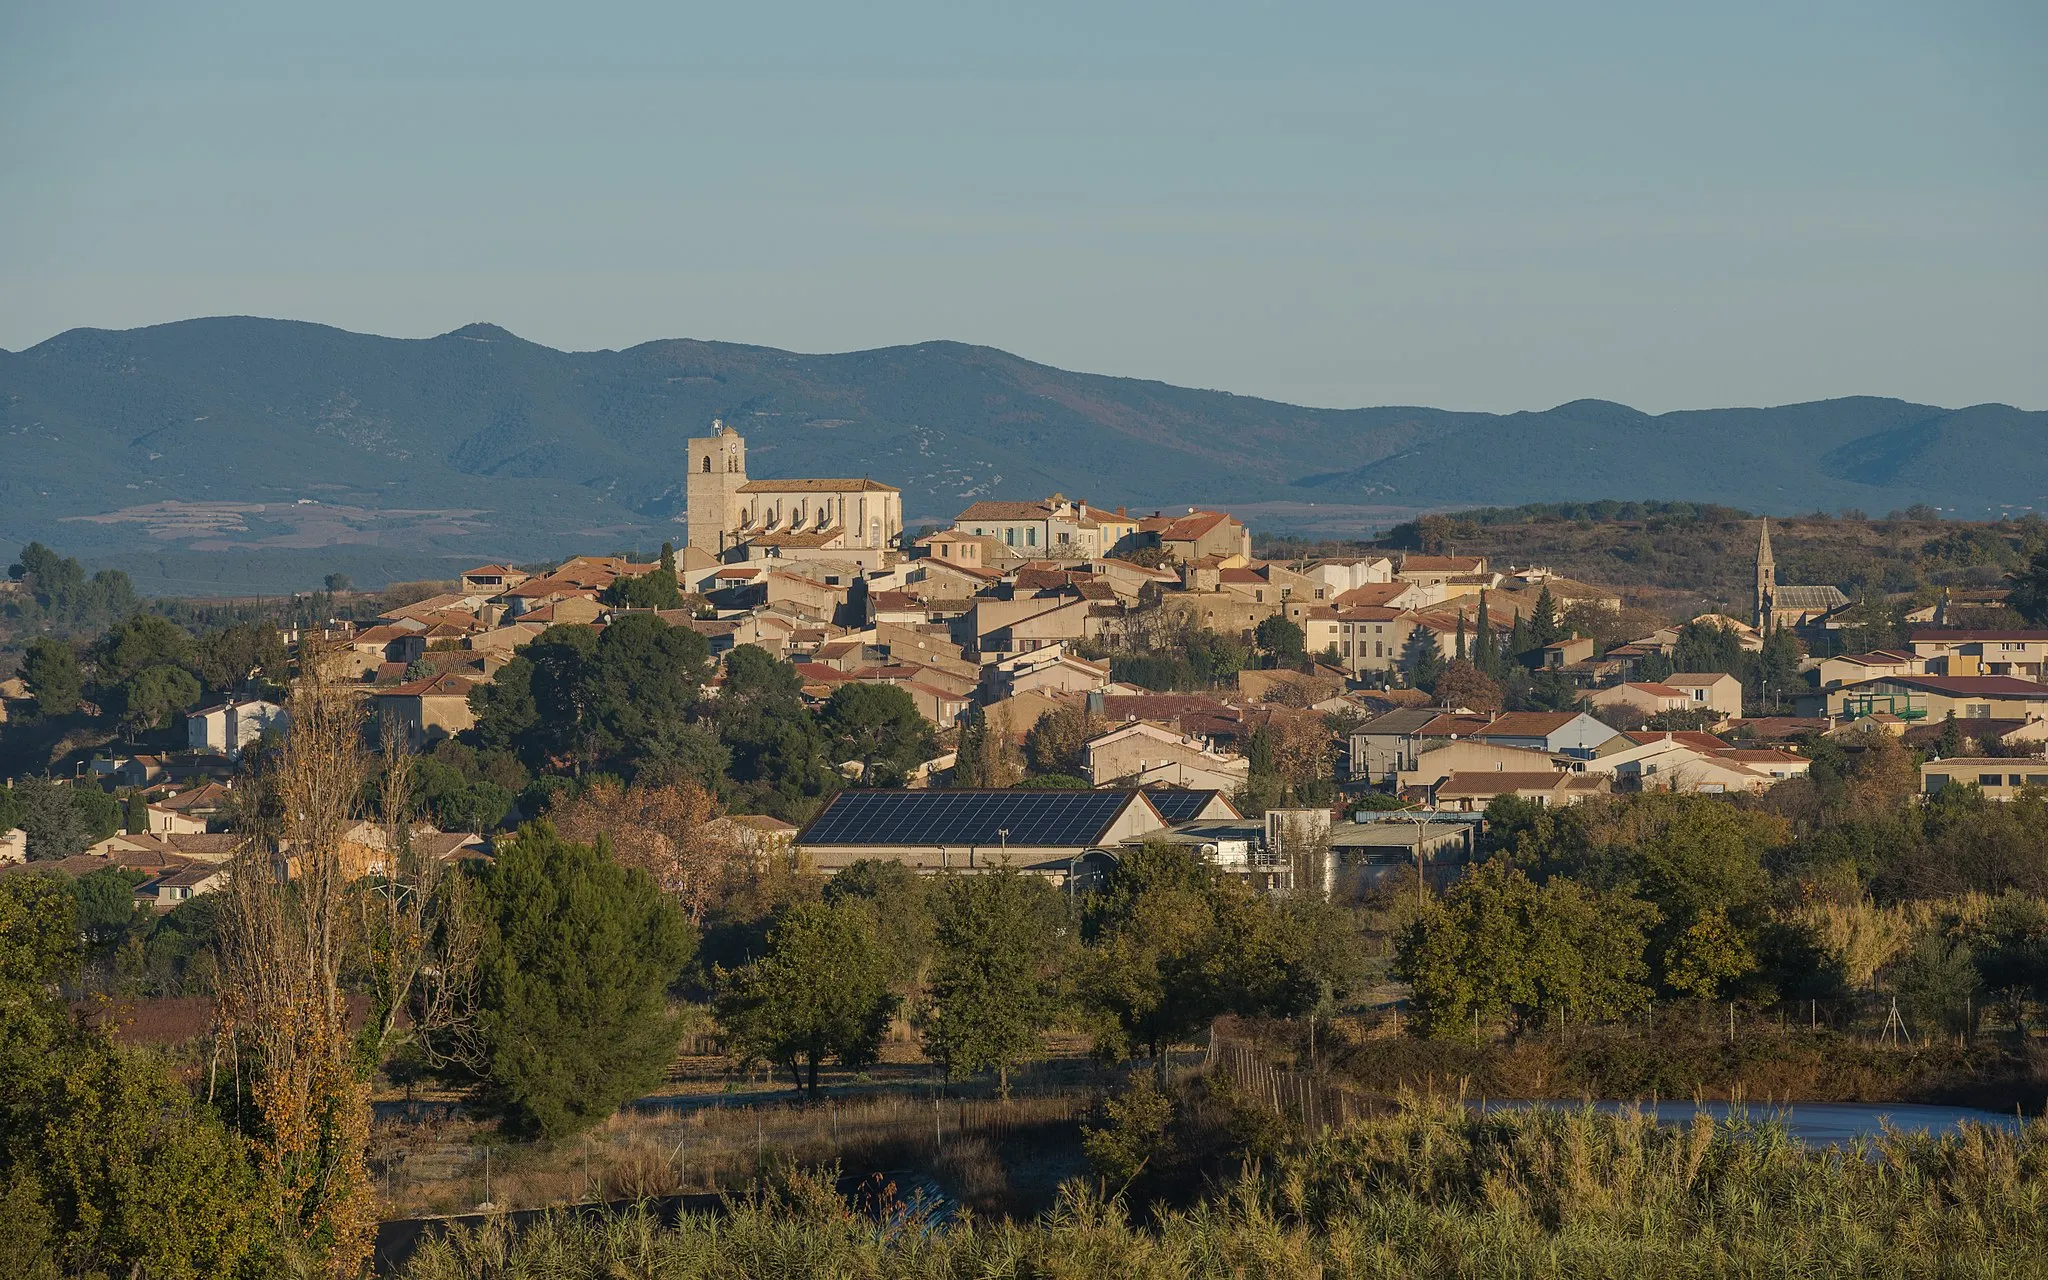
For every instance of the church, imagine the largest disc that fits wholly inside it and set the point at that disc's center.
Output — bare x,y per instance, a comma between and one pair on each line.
734,518
1785,606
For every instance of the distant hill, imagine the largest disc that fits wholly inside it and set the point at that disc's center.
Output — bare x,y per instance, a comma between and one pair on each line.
239,454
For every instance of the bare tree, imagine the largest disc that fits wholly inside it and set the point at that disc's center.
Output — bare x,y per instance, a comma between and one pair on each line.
417,930
285,931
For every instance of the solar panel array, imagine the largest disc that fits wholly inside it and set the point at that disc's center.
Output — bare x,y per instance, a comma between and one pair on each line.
1178,806
931,818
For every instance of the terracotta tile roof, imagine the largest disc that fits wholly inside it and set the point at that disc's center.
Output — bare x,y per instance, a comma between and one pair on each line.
1697,677
1182,528
1005,511
447,685
1441,564
1372,595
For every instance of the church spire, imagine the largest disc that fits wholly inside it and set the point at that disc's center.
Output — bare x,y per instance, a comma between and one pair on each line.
1766,577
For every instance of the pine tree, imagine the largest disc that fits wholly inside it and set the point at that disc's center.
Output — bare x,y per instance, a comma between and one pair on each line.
668,558
1518,641
577,959
1950,744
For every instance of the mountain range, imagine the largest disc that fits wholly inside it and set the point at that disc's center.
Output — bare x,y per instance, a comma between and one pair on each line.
235,454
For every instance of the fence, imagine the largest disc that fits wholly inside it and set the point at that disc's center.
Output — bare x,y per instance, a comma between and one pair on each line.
1316,1102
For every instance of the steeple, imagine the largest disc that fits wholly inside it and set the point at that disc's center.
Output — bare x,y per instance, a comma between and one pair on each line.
1766,577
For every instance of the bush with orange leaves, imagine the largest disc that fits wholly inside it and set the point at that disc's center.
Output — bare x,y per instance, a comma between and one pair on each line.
671,832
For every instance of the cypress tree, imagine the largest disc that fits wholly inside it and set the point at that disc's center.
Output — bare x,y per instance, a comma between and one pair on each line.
1483,653
1461,635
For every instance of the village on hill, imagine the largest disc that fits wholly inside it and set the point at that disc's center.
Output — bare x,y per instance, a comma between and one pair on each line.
1089,679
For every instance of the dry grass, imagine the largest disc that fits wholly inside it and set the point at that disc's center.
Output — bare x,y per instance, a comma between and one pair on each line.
1431,1191
442,1167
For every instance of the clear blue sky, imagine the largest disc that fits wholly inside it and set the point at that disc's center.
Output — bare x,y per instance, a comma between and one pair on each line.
1473,205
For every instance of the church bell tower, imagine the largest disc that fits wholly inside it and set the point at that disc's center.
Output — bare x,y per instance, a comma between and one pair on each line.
718,467
1766,578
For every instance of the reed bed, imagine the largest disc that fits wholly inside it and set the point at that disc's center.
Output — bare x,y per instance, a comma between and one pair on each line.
1432,1191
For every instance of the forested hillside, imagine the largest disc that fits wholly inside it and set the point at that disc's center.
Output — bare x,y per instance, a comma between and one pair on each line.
233,454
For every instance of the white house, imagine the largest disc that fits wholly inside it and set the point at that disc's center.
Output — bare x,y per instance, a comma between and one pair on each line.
227,727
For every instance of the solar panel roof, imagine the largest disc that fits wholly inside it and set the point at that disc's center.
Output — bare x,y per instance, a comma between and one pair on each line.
1179,806
928,818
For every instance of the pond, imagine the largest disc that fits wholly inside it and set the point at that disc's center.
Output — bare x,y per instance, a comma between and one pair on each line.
1823,1124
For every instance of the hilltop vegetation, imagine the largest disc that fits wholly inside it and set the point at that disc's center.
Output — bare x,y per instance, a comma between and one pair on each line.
323,450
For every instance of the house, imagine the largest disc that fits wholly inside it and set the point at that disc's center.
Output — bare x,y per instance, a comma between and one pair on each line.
1387,745
2000,778
1649,697
492,579
1559,654
1774,728
2012,735
1196,535
1050,670
1438,571
942,706
1371,638
966,830
1058,528
203,802
430,709
1855,668
1140,753
227,727
1024,626
1341,574
957,547
768,841
1948,652
13,846
1567,733
1470,755
1714,691
1385,595
1915,698
1472,792
1676,762
168,821
169,888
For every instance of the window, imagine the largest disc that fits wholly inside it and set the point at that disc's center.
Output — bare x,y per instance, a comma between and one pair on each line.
1031,536
2012,780
1010,537
2037,779
1376,652
945,552
707,462
1977,711
1990,779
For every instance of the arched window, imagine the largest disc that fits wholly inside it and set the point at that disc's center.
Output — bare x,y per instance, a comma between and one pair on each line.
707,462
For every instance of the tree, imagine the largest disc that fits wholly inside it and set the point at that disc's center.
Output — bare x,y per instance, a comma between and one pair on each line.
1282,640
578,954
777,749
2029,597
1056,744
230,658
337,583
880,726
153,695
1484,655
1950,744
820,992
898,904
1497,945
1543,623
110,1168
1707,646
1938,983
1707,957
982,757
56,825
995,983
145,640
654,590
668,831
51,671
1460,655
643,679
668,558
505,712
1463,685
1422,658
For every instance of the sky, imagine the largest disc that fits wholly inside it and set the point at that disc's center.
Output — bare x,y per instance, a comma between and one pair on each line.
1469,205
